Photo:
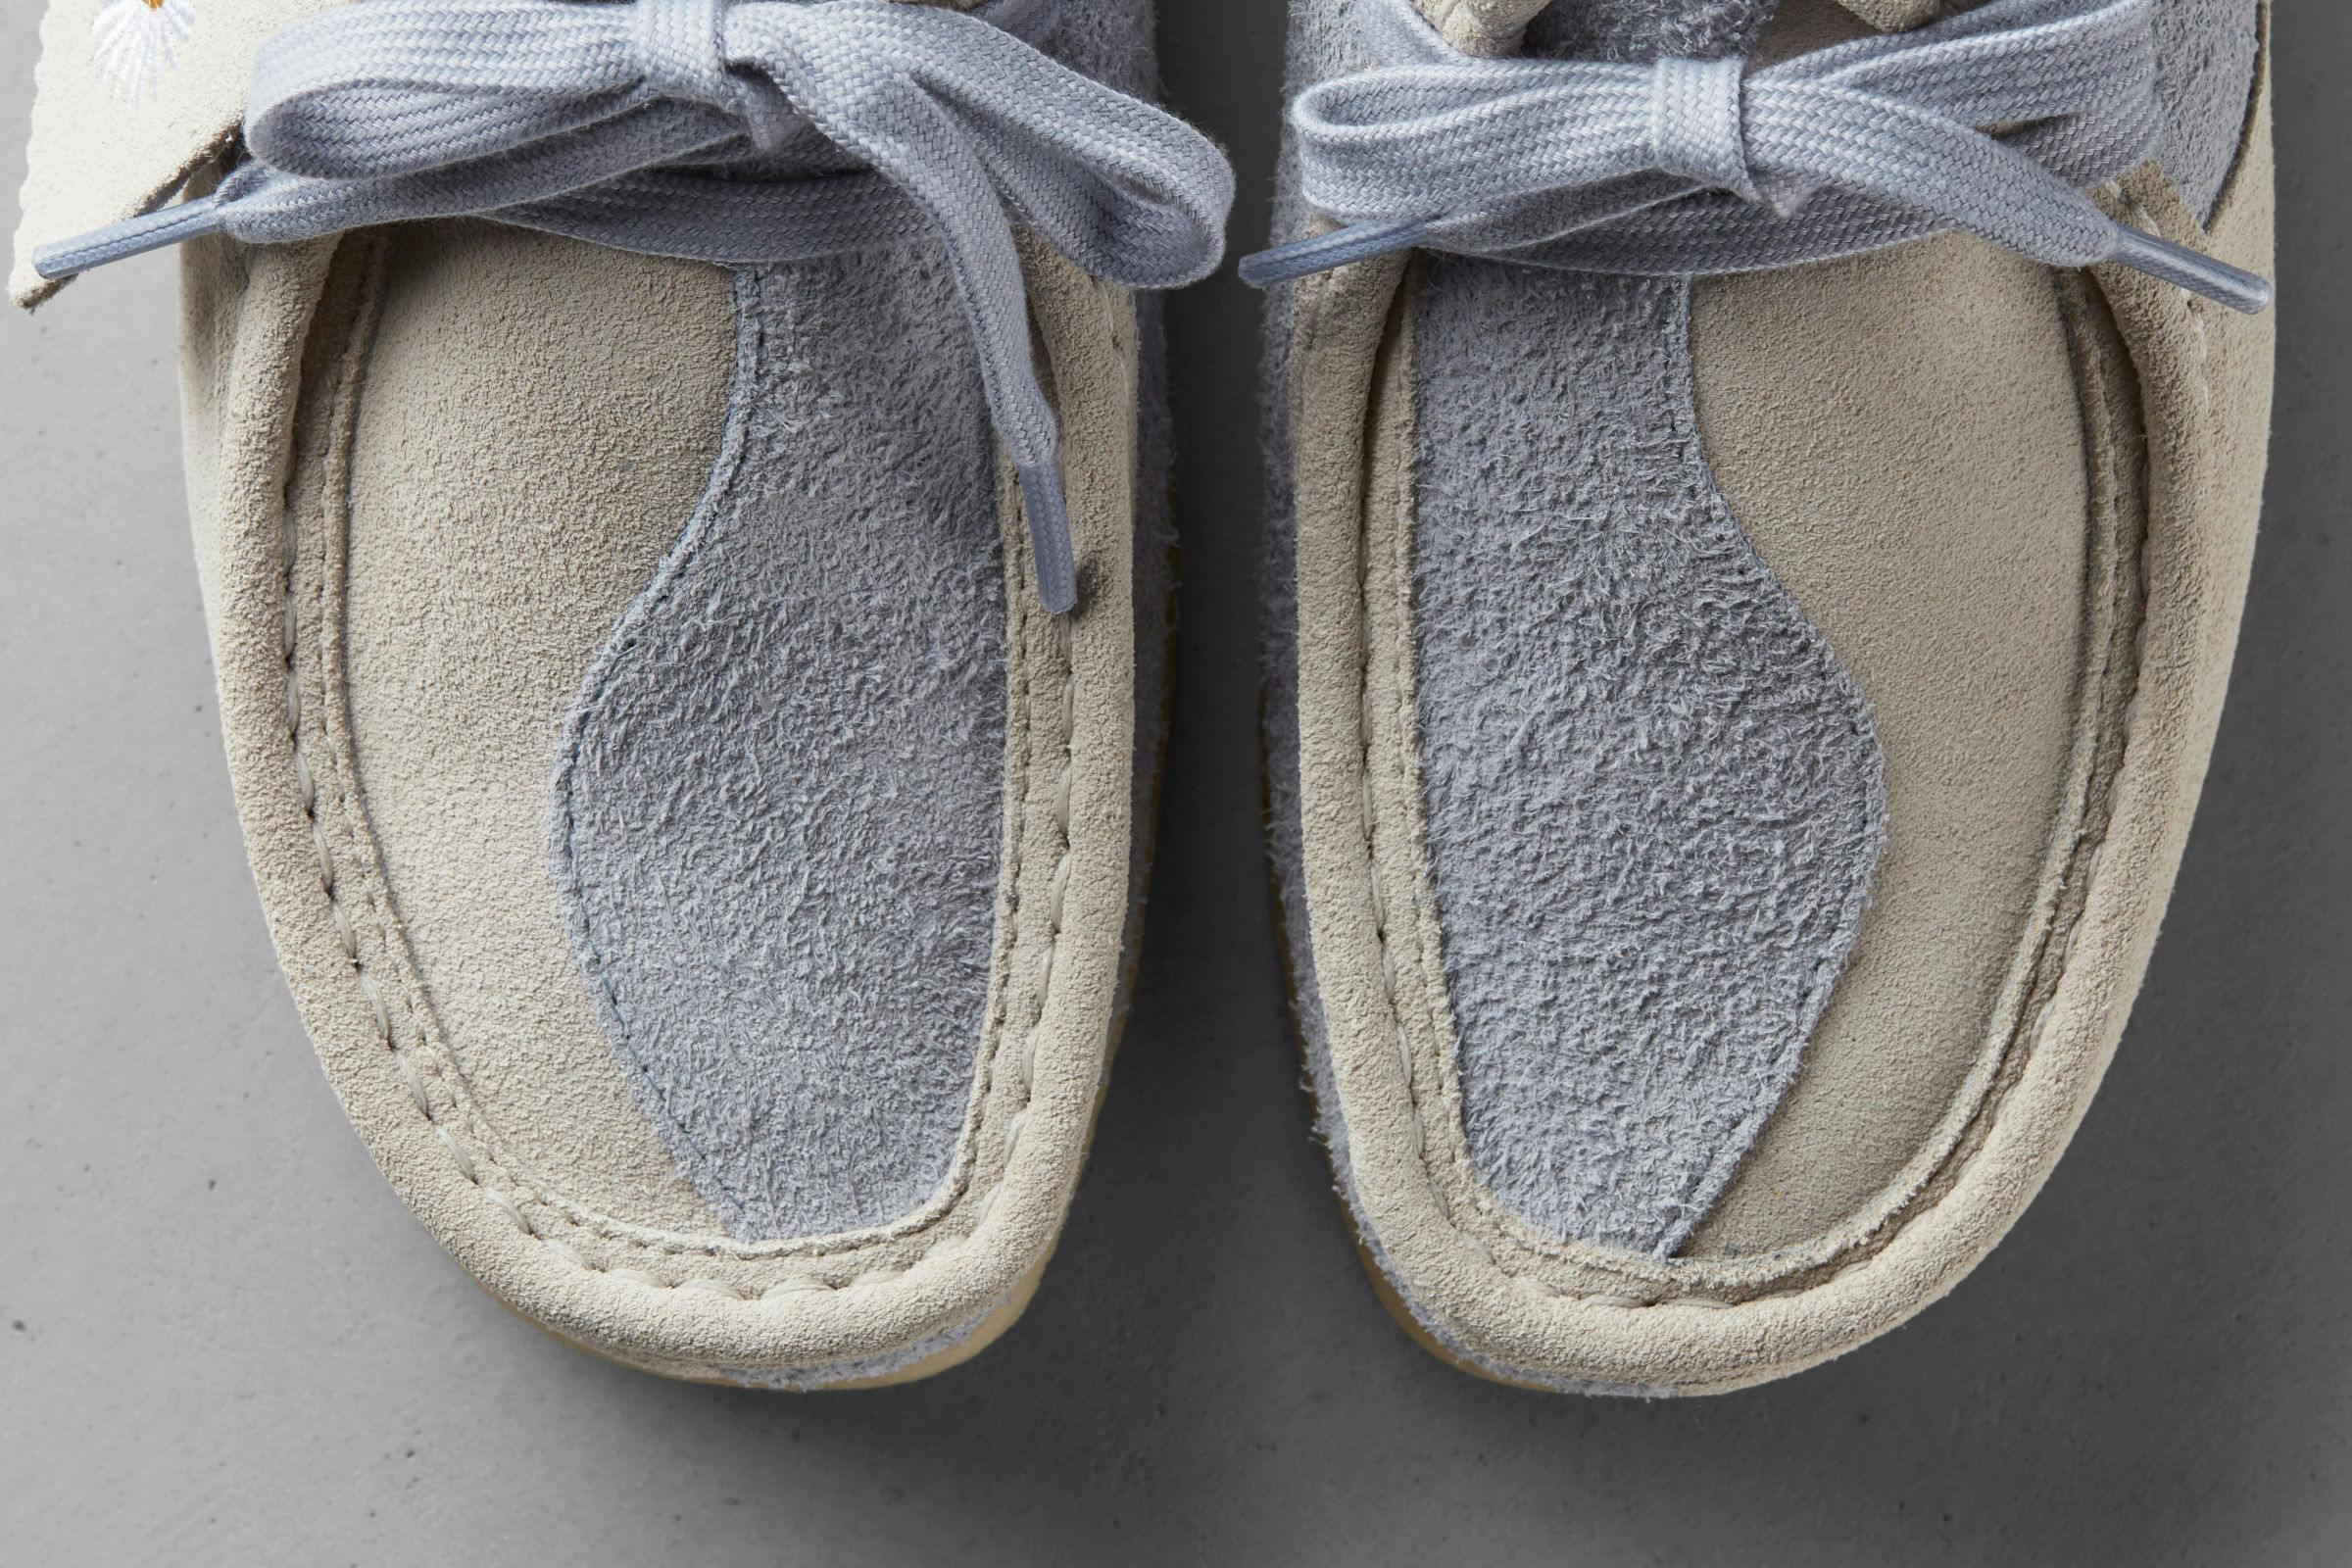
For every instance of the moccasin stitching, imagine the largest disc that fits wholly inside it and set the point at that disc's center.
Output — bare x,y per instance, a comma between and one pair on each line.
2010,1058
479,1149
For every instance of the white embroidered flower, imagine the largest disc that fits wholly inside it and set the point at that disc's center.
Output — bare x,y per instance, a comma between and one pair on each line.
136,39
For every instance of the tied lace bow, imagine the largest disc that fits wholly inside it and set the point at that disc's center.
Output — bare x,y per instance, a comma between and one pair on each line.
728,130
1702,166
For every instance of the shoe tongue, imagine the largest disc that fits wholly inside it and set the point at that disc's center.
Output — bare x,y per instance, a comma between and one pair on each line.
131,98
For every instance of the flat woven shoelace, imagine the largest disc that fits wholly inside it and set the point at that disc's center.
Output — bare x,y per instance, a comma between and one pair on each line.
1691,168
728,130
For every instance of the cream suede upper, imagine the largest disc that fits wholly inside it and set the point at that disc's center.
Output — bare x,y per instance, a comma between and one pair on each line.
429,468
647,1284
1940,452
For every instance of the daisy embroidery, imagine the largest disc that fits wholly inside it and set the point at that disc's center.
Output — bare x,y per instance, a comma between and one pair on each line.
136,40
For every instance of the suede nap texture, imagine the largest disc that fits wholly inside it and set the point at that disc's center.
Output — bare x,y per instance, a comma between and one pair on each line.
1944,533
279,354
1655,796
1934,391
2205,52
485,561
1320,43
776,818
1465,1274
776,823
274,350
1645,30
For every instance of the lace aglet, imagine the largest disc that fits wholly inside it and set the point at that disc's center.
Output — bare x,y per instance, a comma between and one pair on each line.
1050,537
151,231
2201,274
1320,253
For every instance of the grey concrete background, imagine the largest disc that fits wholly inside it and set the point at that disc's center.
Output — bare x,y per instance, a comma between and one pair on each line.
2153,1368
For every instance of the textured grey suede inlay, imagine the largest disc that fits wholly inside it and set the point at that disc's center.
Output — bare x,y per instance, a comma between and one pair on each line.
2205,54
1655,796
1647,29
777,815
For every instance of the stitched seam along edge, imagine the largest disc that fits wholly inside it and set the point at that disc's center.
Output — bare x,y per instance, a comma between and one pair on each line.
470,1159
2087,854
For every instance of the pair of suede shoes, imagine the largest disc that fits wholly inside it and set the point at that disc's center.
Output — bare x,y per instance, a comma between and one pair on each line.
1762,501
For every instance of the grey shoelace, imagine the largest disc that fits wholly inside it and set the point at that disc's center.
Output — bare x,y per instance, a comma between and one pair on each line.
727,130
1689,168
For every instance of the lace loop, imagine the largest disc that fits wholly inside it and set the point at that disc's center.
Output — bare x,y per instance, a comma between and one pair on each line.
1696,129
680,51
1697,167
728,130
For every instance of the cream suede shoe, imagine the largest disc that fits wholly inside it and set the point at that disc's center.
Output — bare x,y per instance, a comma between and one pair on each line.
1730,741
704,841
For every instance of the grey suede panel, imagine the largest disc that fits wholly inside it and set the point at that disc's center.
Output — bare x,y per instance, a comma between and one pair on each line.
2208,53
2205,73
1647,29
1655,797
1563,504
776,823
777,815
1111,40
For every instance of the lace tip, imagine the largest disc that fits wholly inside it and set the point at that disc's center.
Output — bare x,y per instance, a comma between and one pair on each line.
2199,273
1321,253
135,236
1050,538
